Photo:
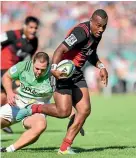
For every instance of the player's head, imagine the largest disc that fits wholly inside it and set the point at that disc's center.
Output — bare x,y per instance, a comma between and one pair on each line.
40,63
30,27
98,22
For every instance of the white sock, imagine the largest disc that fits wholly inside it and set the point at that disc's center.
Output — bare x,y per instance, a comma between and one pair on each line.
10,148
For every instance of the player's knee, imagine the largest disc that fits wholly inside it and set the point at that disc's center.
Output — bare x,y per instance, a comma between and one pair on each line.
86,112
64,112
39,127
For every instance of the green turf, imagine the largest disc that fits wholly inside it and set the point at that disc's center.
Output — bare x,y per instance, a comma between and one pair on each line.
110,132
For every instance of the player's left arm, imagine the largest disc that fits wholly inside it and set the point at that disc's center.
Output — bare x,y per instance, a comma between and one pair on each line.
94,60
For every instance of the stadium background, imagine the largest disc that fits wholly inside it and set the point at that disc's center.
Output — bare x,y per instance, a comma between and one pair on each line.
117,50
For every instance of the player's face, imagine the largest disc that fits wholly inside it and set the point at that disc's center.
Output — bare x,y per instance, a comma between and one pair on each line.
39,68
30,30
98,25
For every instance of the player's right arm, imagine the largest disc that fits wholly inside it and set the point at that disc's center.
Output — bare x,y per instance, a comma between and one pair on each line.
12,74
76,36
7,84
7,38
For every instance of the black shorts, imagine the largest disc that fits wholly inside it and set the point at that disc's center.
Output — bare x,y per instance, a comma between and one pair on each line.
65,86
2,88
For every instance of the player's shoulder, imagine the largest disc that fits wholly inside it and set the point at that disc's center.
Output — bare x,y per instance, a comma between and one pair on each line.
27,65
24,65
14,34
85,26
16,31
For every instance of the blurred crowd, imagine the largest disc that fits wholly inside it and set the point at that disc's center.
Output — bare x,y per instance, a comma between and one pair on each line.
117,48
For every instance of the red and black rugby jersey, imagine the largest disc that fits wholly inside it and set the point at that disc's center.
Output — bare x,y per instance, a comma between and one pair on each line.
15,47
82,45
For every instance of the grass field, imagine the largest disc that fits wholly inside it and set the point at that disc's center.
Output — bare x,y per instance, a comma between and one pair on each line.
110,132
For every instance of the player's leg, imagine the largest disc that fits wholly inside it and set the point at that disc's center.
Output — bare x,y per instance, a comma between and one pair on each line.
83,107
72,117
63,101
61,108
35,125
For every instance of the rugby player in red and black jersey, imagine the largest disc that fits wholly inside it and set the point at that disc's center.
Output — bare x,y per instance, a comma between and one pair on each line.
17,45
79,46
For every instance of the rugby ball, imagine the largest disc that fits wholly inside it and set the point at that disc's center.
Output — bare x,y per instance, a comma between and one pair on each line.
66,66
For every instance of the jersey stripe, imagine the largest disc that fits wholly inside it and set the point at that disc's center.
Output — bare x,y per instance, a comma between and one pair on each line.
85,28
18,34
27,65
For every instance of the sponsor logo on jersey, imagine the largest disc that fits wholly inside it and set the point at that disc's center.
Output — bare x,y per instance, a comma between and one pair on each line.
13,70
89,52
70,40
28,89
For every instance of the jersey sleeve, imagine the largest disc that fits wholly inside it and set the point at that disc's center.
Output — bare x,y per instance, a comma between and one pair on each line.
16,70
7,38
76,36
93,58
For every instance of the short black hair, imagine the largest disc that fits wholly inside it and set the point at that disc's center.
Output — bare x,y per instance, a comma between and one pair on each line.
101,13
32,19
42,56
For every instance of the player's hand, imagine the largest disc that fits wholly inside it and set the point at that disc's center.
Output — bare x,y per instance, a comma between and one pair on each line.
104,76
59,74
11,98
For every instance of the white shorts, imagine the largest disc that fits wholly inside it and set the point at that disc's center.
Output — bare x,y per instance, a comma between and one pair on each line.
9,113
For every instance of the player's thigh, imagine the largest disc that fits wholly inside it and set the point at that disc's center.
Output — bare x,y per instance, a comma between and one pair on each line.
81,100
35,121
63,101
